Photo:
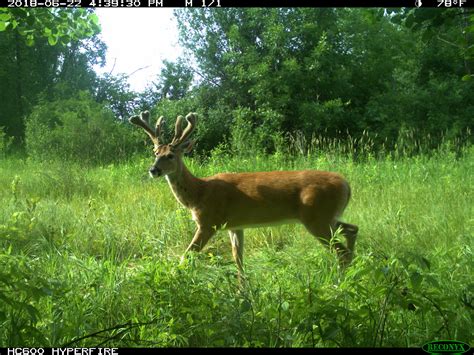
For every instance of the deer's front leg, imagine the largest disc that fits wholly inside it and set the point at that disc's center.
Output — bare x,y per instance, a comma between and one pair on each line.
200,239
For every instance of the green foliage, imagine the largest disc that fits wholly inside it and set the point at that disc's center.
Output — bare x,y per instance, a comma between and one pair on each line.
22,289
78,129
214,127
439,24
171,109
331,71
174,80
5,142
212,124
89,256
254,131
114,91
272,72
32,68
54,24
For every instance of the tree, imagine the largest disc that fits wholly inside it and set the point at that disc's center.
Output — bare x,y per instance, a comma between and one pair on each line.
48,52
331,71
453,27
54,24
174,81
292,69
115,92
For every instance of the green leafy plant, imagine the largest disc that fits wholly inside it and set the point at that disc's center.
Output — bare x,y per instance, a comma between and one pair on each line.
5,142
78,130
54,24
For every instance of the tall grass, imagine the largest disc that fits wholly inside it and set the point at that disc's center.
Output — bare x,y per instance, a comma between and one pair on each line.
90,257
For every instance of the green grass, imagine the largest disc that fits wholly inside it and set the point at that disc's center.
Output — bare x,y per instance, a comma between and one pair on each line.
90,257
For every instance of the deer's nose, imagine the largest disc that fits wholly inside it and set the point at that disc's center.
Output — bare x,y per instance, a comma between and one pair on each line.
154,171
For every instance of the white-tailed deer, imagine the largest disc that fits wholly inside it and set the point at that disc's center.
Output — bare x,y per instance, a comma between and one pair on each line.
244,200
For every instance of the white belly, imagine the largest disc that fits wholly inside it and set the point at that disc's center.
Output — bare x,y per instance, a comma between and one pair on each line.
257,225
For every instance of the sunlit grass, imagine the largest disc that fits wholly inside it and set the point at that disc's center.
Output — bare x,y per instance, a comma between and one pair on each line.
89,249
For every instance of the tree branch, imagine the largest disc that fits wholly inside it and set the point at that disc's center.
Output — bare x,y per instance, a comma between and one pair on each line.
127,326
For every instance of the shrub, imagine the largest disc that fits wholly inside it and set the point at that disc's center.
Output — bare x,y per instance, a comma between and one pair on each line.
255,131
78,129
5,142
213,122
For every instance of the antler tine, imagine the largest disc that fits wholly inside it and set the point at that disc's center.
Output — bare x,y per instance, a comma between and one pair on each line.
191,118
142,122
160,123
178,129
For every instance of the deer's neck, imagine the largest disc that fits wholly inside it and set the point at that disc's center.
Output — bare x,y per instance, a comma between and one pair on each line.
185,186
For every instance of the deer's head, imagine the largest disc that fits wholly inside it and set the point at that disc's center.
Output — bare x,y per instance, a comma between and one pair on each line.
167,156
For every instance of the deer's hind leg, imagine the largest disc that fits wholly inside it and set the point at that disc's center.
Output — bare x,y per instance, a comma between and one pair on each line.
349,231
322,229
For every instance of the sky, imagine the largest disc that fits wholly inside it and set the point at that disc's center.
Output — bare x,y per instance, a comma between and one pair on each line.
138,38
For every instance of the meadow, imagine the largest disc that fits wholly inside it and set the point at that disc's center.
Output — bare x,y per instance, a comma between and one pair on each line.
90,256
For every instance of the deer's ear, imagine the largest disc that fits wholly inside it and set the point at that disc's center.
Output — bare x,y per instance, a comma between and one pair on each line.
187,146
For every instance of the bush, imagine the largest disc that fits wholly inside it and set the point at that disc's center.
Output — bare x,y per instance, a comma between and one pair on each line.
79,129
256,131
5,142
170,109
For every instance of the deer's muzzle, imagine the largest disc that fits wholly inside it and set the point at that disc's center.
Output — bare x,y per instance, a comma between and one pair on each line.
154,172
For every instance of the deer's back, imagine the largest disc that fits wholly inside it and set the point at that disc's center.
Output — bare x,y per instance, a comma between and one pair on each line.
255,199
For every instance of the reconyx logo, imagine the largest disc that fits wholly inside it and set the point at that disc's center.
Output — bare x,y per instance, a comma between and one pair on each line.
446,347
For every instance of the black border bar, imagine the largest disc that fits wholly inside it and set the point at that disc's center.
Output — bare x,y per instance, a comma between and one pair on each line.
177,351
442,4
